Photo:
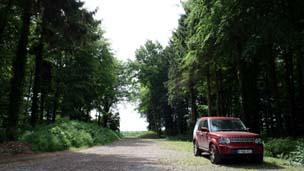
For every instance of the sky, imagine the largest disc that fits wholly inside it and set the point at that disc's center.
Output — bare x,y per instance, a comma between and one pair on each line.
127,25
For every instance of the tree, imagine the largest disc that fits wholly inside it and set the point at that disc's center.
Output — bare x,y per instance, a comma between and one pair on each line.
70,68
16,91
235,58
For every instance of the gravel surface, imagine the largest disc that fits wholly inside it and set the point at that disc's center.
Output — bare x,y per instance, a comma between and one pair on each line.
126,154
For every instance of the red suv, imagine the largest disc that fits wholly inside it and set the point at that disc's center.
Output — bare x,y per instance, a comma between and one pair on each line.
226,137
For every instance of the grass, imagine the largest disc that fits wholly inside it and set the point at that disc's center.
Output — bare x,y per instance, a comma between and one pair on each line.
177,145
139,134
186,146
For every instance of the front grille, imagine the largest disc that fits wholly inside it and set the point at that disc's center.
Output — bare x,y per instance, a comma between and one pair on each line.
241,140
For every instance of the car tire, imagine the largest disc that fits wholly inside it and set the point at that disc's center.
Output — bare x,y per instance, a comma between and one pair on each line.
259,159
215,157
196,150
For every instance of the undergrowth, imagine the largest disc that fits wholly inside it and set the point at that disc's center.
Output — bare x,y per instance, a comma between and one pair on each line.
68,134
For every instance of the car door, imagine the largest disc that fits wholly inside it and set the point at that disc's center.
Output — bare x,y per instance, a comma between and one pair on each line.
199,134
204,136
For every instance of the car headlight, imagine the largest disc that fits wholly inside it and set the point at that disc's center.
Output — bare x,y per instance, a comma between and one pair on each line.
224,140
258,141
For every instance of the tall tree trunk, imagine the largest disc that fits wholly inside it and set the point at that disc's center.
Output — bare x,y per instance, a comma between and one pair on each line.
220,103
55,102
274,96
209,96
99,119
29,91
105,120
105,116
247,73
42,103
57,91
194,114
168,120
249,95
4,17
17,81
289,79
36,90
48,115
300,108
37,81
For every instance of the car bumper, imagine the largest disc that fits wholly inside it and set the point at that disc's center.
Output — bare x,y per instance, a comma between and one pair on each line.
233,149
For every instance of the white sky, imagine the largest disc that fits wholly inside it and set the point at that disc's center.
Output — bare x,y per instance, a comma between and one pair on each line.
128,24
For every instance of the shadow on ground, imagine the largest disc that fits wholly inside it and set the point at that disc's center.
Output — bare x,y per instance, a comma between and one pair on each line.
244,164
79,161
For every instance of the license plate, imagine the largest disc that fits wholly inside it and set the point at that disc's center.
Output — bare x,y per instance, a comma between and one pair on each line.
244,151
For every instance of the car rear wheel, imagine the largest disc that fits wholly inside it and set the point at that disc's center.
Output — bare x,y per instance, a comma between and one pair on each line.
196,150
215,157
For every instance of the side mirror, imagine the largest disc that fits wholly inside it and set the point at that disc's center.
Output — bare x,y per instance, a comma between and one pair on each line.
204,129
247,129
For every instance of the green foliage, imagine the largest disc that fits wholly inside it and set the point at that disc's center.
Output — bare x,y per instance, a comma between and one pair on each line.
66,134
75,74
151,66
280,147
228,58
286,148
297,155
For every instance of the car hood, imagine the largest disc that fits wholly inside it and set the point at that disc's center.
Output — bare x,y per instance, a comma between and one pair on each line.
239,134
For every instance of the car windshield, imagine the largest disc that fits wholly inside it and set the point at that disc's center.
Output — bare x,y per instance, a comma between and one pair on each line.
227,125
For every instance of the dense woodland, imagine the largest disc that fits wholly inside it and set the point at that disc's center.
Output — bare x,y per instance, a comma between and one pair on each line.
55,62
227,58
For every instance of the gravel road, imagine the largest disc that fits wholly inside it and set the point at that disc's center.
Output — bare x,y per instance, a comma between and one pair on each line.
126,154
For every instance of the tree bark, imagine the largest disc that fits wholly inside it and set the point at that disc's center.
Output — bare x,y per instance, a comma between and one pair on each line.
289,80
209,98
169,124
248,91
17,81
275,113
36,90
37,79
55,102
220,103
300,108
42,103
250,102
48,115
99,119
194,114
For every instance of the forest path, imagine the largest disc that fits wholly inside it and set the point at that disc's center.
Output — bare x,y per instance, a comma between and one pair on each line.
126,154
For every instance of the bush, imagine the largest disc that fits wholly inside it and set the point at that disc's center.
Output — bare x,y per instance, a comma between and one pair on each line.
66,134
297,156
280,147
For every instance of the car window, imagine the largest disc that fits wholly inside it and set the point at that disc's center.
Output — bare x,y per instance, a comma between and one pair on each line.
197,125
203,123
227,125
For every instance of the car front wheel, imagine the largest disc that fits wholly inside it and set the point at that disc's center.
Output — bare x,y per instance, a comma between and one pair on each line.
259,158
196,150
215,157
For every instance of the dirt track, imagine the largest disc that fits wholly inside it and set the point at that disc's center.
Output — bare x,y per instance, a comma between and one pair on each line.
126,154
